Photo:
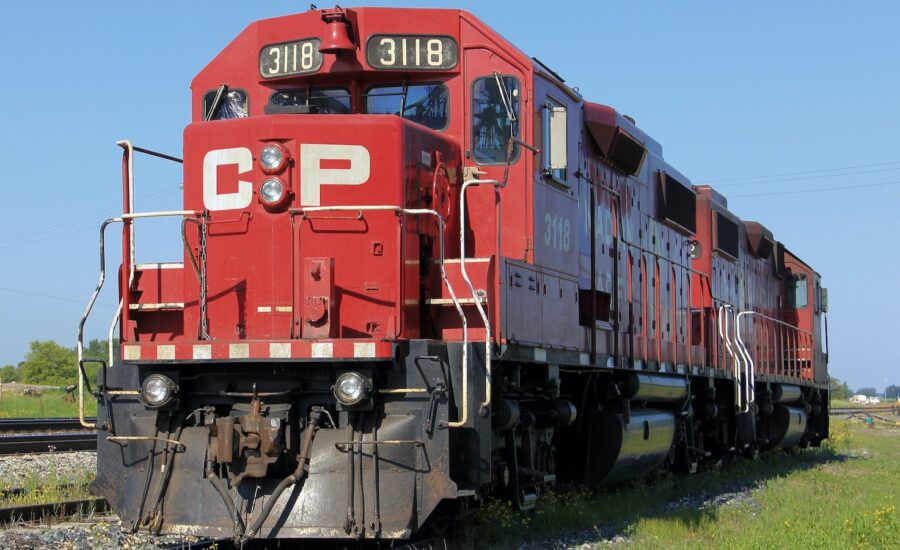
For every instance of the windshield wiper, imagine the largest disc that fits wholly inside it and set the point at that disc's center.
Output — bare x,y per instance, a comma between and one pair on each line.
217,101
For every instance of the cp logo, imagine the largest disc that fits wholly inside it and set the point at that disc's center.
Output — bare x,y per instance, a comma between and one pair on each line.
352,162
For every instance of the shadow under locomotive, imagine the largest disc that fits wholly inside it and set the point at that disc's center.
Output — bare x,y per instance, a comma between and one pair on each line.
265,450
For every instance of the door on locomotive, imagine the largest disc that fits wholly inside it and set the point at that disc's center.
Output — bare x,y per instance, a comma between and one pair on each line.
490,128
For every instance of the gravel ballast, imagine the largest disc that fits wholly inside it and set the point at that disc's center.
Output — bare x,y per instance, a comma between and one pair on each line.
17,470
103,533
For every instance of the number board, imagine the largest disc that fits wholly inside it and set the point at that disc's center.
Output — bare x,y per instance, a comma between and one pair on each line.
290,58
412,52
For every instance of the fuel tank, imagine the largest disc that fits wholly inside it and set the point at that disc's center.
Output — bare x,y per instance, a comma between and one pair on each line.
788,424
654,388
786,393
623,450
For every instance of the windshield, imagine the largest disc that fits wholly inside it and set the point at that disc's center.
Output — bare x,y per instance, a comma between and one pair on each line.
327,101
231,104
425,104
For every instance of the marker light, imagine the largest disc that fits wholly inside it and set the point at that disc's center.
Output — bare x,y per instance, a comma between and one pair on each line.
271,191
272,158
351,388
157,390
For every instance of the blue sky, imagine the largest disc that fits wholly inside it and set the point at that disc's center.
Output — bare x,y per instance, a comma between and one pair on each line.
804,93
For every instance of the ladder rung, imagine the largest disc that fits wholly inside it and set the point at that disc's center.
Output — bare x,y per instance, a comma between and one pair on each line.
449,302
159,265
156,307
468,260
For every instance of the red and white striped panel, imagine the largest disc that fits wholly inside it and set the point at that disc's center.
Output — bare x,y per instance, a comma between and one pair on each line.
225,351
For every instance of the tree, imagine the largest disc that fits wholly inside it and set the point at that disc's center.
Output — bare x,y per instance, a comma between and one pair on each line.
868,392
892,392
840,390
49,363
9,373
96,349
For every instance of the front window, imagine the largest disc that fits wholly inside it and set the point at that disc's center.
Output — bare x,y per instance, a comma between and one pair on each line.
426,104
225,104
495,118
325,101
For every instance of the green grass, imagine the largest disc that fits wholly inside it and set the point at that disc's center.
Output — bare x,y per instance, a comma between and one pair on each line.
843,495
43,489
50,404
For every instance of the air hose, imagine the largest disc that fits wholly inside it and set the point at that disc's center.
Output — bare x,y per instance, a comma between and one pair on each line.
293,479
219,486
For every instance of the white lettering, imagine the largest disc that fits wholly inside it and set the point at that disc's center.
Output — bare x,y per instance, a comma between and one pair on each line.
313,176
212,199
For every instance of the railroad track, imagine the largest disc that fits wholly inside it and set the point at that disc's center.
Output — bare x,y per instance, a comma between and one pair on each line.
41,435
56,510
891,409
28,425
48,442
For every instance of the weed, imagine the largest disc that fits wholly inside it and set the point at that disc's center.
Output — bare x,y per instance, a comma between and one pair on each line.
821,498
50,404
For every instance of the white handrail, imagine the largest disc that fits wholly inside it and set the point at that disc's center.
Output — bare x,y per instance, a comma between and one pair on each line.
93,299
737,367
129,149
750,370
462,267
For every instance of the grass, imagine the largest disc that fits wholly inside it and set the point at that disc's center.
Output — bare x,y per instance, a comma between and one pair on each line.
843,495
45,487
50,404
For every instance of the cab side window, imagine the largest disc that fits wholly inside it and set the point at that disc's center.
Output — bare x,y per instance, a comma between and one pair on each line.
798,298
555,153
495,118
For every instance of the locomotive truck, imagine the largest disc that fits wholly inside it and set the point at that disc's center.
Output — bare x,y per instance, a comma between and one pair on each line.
420,270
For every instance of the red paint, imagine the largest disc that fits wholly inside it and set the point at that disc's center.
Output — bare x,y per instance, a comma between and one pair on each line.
283,274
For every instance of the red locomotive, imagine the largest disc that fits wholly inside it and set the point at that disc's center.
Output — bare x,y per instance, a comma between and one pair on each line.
420,270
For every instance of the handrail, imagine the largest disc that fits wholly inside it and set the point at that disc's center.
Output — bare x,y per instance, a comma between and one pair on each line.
128,190
726,338
112,330
750,367
415,212
792,336
475,297
128,257
100,282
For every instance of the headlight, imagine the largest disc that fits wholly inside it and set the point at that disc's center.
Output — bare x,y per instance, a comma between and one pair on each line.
271,191
272,158
351,388
157,390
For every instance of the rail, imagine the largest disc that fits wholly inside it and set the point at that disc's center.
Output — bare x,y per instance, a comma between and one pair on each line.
485,405
128,260
476,298
47,442
781,345
66,509
743,395
27,425
93,299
